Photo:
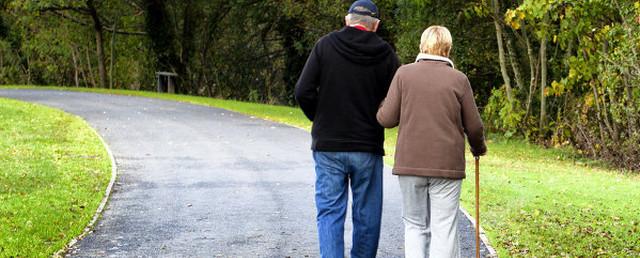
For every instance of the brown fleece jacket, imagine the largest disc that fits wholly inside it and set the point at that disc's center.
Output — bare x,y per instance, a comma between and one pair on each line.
434,105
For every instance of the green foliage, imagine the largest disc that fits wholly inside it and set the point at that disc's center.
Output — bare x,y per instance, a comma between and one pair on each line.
255,50
53,172
474,43
54,42
502,115
593,50
227,48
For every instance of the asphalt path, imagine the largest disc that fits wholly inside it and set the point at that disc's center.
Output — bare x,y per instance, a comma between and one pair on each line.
197,181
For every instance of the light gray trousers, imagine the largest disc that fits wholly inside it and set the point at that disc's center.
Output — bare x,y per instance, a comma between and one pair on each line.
430,208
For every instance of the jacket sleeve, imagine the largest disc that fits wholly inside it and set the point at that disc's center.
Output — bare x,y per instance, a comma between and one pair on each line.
472,123
389,112
395,64
392,68
306,91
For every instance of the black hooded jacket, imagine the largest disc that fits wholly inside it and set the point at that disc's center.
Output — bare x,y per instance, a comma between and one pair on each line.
343,82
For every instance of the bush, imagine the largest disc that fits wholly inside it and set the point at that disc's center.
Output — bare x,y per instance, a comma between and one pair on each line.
502,115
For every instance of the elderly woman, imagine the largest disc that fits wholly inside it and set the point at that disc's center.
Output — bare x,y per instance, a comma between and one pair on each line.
433,104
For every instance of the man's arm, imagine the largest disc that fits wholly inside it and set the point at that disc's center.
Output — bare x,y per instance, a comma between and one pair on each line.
473,127
395,64
307,87
389,113
392,68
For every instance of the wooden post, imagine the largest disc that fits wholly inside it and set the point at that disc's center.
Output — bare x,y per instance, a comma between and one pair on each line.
170,87
477,207
159,86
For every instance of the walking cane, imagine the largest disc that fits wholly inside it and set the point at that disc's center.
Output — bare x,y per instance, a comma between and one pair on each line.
477,207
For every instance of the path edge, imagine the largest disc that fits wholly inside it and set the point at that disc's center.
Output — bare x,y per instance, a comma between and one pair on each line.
483,237
107,194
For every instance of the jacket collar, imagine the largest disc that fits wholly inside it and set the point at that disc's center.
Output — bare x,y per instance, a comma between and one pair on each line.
429,57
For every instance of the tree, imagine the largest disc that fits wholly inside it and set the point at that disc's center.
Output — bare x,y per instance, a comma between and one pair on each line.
74,11
497,21
584,65
85,8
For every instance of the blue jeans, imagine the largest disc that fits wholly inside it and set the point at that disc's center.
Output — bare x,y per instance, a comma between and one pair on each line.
334,172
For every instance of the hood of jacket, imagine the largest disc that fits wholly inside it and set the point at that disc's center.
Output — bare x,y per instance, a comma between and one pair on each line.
358,46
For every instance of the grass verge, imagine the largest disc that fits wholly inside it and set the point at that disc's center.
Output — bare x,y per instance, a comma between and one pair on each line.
536,202
540,202
53,172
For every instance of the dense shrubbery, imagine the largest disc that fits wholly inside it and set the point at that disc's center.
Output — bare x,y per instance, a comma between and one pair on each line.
590,97
240,49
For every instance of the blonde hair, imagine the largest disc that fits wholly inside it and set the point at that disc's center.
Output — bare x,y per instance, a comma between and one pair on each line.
436,40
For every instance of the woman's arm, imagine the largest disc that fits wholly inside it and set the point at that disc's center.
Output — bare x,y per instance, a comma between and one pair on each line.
472,123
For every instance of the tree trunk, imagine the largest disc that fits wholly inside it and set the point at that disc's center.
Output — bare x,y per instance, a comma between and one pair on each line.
4,31
83,73
515,65
28,70
23,62
113,42
501,52
294,59
631,105
162,37
633,124
97,27
188,27
213,21
598,116
90,66
587,139
75,68
543,81
533,70
611,126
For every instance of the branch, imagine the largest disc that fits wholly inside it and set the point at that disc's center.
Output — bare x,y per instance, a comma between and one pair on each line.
109,29
123,32
68,17
138,7
65,8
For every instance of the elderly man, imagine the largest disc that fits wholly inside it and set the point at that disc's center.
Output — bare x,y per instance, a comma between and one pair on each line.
343,82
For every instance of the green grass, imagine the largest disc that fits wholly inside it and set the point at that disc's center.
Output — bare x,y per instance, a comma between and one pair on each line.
53,174
540,202
536,202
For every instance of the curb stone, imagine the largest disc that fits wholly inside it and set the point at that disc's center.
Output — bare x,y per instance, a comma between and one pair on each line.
89,228
483,237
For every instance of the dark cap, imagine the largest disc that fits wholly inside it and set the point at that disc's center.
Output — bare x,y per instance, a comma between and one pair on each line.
364,7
